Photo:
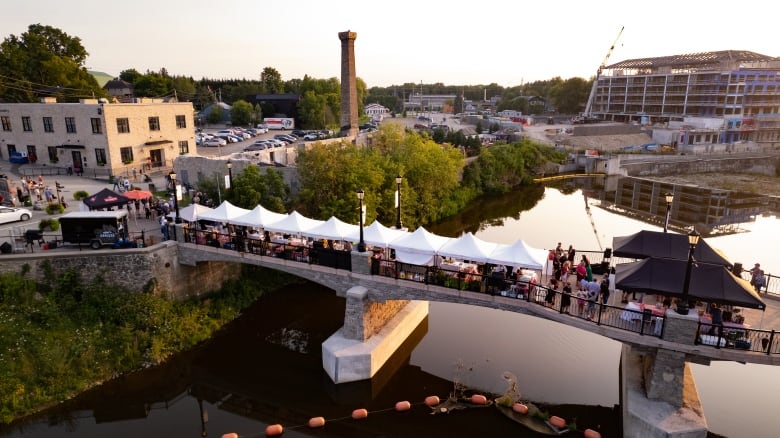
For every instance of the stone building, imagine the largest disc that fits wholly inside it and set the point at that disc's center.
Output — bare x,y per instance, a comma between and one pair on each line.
96,137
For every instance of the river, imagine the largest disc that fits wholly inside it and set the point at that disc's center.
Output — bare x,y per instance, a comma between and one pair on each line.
245,378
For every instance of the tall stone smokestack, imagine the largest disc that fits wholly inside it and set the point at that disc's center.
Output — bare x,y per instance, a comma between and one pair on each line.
349,104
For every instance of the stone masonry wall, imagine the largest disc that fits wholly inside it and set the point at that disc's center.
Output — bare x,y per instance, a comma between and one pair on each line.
155,268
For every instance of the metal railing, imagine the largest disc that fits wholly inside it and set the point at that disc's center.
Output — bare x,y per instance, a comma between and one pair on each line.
740,338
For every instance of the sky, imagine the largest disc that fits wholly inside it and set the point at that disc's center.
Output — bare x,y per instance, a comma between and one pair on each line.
454,43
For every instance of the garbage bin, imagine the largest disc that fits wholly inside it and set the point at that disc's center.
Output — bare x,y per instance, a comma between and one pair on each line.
152,188
110,179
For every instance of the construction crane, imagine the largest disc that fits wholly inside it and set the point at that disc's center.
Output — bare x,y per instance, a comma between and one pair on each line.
587,116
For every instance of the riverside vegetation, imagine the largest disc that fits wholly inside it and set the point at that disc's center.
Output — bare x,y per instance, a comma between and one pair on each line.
67,334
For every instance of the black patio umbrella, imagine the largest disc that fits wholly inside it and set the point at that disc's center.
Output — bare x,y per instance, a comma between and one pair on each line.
105,199
709,282
665,245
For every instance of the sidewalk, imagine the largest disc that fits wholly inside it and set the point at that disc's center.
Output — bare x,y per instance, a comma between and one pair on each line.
72,184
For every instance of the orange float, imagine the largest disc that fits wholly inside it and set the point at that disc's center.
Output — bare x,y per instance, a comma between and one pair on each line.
230,435
558,422
432,400
479,399
274,430
316,422
403,406
520,408
359,414
590,433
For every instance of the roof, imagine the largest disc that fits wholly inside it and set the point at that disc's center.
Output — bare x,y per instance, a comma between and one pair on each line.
117,83
700,61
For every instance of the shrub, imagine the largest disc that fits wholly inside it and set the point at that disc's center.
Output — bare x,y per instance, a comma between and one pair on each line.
49,224
79,195
55,209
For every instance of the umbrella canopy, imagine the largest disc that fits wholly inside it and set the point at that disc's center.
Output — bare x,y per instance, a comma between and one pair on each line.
226,212
709,282
294,223
190,213
468,247
377,234
138,194
105,199
258,217
421,241
519,255
664,245
334,229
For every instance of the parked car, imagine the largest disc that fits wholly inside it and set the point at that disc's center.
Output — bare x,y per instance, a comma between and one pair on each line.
215,142
256,147
298,133
13,214
311,136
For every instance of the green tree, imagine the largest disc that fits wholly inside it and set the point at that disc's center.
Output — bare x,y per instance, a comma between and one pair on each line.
130,75
272,81
241,113
152,85
252,188
215,116
45,61
571,95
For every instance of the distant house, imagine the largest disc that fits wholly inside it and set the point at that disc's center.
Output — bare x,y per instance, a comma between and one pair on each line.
226,117
376,111
119,90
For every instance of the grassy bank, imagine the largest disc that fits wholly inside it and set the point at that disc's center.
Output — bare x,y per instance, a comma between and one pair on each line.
60,338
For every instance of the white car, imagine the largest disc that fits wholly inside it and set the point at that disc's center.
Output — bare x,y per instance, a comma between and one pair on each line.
13,214
215,142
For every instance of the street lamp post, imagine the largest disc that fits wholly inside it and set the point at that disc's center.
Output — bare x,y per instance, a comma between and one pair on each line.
172,175
59,187
669,199
230,174
361,247
398,180
682,304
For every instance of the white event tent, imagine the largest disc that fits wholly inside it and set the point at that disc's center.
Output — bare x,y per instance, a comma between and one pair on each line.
333,229
190,213
418,248
294,223
468,247
226,212
377,234
258,217
519,255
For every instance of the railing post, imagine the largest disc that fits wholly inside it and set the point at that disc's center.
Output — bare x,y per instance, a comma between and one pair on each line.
769,345
598,318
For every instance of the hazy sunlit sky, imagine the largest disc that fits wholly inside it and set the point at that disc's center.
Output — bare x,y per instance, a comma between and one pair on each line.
402,41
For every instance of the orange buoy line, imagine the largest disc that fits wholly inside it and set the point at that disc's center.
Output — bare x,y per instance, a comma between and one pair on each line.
401,406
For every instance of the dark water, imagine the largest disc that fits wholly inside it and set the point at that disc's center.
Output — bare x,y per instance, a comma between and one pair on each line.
245,378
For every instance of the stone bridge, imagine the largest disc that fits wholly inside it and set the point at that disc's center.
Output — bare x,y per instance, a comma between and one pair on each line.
658,394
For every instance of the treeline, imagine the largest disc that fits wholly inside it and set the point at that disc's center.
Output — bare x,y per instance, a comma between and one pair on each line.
437,182
63,336
45,61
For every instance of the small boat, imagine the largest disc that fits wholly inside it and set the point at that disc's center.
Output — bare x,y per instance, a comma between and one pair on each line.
532,420
459,403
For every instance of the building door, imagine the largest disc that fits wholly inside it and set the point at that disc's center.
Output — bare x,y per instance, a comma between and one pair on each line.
76,161
155,156
31,154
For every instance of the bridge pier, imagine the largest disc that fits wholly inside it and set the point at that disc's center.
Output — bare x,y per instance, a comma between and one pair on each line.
372,332
658,394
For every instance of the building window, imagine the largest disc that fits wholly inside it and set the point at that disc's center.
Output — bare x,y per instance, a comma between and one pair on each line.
26,125
52,154
48,125
70,125
123,126
154,123
184,147
127,154
6,123
100,156
97,126
181,122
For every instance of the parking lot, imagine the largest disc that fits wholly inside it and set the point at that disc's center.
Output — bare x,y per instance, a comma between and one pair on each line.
240,146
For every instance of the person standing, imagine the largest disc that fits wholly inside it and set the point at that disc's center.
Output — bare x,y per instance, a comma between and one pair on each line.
570,254
605,289
588,269
759,281
134,174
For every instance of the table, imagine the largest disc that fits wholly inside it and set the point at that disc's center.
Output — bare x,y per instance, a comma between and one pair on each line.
458,266
634,311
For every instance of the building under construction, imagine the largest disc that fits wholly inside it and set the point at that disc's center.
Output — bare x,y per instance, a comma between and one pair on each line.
734,94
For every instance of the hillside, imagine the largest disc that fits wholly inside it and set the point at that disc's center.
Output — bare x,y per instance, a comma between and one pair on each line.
101,77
